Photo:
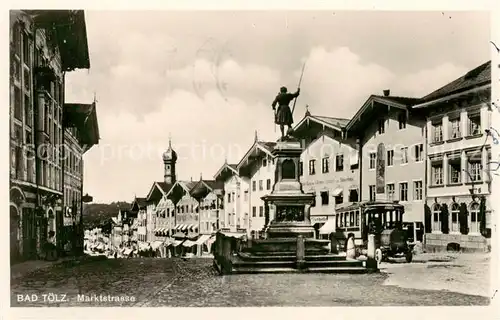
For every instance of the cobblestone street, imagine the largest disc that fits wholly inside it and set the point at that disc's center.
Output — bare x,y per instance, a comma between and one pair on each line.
194,283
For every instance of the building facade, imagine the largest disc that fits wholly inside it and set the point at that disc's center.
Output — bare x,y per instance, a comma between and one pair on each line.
43,46
458,140
236,198
392,155
258,168
329,167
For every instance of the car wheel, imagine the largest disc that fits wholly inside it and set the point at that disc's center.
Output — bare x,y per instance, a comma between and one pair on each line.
409,256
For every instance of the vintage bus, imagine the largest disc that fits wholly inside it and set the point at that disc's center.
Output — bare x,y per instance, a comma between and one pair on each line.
383,219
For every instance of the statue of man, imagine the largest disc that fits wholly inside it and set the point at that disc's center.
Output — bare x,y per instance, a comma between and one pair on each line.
283,116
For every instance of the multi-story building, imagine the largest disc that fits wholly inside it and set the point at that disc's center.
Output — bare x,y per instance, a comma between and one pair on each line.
211,208
44,45
329,167
257,167
139,206
80,134
164,219
458,178
392,155
236,198
208,194
186,207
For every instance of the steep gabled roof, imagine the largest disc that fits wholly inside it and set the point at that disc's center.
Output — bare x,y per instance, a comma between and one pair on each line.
139,203
160,186
185,185
330,122
226,170
266,147
476,77
165,186
363,115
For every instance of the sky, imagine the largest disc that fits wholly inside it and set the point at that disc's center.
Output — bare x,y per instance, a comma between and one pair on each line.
207,79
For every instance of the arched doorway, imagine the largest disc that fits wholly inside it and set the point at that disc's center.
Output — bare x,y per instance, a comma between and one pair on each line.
15,253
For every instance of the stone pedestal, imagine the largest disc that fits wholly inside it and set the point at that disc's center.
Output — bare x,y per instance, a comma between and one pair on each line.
291,216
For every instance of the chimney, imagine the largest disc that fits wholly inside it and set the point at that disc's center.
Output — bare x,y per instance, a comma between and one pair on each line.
387,92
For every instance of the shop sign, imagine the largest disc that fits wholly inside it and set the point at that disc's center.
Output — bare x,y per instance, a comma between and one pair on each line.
329,181
318,219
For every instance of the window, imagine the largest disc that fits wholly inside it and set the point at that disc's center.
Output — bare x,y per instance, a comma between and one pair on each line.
455,210
261,211
474,123
339,199
455,170
381,126
339,162
403,191
312,167
436,215
268,184
474,217
419,152
325,199
261,185
325,165
390,191
301,168
390,158
228,198
373,160
28,115
417,190
402,120
454,128
404,155
372,192
437,173
264,162
254,211
254,186
353,195
437,131
245,195
18,104
474,170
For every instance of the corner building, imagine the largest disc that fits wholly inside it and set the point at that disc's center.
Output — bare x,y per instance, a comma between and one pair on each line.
458,210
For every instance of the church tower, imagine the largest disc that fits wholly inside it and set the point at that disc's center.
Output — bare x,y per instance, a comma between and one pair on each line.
169,160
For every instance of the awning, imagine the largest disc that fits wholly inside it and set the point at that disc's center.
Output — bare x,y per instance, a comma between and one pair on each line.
328,227
184,227
188,243
175,243
177,227
337,192
179,235
192,235
202,239
236,235
190,227
143,246
155,245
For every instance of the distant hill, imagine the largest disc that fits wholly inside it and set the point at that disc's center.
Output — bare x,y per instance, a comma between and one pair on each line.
99,214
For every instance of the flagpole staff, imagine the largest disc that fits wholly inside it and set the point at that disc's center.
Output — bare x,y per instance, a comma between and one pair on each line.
298,87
